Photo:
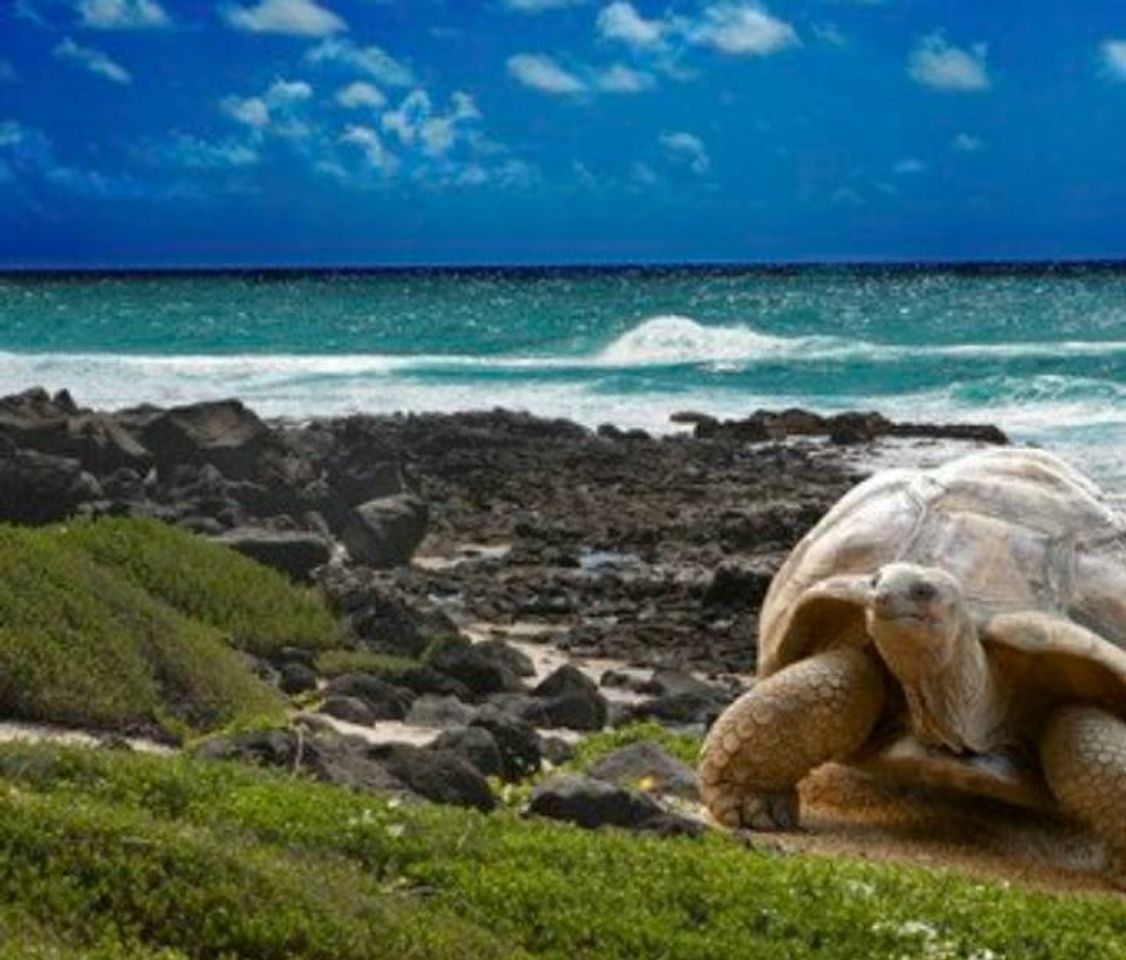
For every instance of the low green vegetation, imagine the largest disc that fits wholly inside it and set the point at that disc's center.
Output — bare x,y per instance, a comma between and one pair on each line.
111,855
259,609
133,625
683,746
333,663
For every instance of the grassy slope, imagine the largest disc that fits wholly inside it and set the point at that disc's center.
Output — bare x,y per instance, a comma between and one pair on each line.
138,854
121,624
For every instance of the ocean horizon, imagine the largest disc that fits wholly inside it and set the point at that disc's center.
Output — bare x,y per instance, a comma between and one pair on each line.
1038,348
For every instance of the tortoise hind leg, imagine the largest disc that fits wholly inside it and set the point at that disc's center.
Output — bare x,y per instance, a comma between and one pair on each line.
818,709
1083,752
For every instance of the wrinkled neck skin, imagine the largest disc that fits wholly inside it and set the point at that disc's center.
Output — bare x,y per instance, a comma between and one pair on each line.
954,699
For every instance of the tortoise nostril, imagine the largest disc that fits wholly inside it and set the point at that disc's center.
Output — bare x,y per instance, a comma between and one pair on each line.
923,592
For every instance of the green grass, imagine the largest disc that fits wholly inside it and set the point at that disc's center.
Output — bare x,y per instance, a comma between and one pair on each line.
259,608
121,852
133,625
333,663
682,746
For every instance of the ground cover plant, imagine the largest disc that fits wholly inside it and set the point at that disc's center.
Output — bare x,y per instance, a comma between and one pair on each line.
136,626
132,855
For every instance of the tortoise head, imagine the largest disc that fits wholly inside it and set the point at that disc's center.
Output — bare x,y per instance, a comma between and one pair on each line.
915,616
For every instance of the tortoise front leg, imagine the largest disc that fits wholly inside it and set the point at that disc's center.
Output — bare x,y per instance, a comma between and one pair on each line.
1083,753
818,709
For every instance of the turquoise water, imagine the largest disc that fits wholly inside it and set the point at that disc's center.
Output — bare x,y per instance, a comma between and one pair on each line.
1041,353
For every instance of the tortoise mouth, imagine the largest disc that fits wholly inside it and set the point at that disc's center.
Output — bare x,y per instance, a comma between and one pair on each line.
885,615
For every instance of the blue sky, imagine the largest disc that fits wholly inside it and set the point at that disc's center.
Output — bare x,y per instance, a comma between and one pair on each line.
452,131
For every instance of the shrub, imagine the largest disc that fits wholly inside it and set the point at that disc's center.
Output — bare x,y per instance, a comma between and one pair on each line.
259,608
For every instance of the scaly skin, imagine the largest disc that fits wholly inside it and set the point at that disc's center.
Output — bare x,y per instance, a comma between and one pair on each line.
820,709
1083,752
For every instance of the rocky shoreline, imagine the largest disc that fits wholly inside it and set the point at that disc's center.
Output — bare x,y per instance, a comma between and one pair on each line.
637,563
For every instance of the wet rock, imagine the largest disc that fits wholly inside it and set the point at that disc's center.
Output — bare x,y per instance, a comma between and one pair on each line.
518,742
385,532
736,586
293,552
508,656
41,487
268,748
385,701
349,709
647,767
594,803
476,746
384,618
569,698
556,750
482,670
436,711
222,433
294,678
439,775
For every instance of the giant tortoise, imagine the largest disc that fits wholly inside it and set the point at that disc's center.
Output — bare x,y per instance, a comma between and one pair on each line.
962,627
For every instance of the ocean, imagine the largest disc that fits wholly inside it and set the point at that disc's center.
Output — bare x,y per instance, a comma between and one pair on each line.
1039,351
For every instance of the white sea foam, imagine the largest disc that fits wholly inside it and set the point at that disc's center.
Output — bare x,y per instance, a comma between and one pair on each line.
1084,416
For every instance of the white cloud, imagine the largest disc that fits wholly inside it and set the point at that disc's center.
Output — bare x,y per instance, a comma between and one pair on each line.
936,64
11,133
742,29
686,147
122,14
371,60
416,121
621,21
251,111
283,92
412,113
190,151
1113,55
539,6
966,143
622,79
298,18
360,94
93,60
540,72
643,174
368,141
909,166
831,34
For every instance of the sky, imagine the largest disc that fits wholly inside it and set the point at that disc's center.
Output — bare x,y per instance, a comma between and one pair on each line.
370,132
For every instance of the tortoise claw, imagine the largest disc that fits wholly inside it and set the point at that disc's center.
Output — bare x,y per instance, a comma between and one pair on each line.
770,810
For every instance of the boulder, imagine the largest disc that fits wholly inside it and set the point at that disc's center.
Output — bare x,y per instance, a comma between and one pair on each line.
518,742
385,532
384,700
568,698
42,488
647,767
294,552
474,745
482,670
349,709
594,803
222,433
295,677
509,656
439,775
436,711
384,617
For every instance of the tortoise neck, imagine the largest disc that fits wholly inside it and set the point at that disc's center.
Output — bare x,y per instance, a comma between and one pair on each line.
957,703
